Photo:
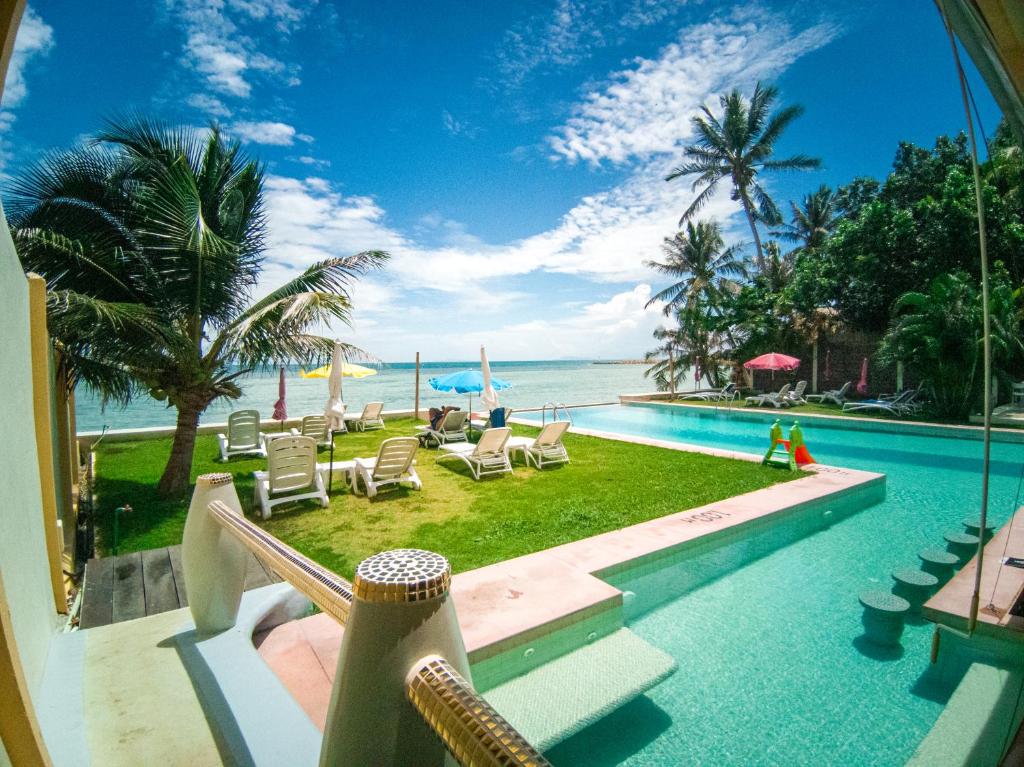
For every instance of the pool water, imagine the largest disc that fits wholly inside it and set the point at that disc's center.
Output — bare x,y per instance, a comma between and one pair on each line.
772,670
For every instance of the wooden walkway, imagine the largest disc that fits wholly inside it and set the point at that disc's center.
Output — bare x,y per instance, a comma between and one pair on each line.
145,583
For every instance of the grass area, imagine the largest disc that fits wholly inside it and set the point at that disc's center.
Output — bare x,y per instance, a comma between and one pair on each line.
608,485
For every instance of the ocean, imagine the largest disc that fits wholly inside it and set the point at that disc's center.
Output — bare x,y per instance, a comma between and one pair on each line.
533,385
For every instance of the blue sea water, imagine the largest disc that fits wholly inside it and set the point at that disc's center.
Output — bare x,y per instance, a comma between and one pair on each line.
533,384
772,666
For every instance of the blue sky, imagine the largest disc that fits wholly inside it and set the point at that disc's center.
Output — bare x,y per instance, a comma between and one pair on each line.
508,155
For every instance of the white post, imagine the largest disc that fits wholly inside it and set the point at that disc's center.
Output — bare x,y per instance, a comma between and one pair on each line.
401,613
417,384
814,367
213,560
899,376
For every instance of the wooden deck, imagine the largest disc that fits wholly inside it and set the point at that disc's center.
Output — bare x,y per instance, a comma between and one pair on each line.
145,583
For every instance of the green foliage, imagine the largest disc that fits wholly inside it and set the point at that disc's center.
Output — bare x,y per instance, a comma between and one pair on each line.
607,486
151,241
938,335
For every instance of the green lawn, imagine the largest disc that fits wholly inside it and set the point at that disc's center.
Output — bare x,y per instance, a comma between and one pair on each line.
608,485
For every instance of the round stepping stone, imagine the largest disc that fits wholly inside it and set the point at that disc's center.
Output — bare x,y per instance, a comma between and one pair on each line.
938,562
973,526
962,545
883,616
914,585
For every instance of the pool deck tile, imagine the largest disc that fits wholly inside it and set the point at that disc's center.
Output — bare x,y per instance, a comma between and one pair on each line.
950,606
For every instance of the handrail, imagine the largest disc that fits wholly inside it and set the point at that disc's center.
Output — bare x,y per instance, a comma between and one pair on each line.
554,412
473,732
327,590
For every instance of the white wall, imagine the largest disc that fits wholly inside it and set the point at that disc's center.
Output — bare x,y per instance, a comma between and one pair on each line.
23,561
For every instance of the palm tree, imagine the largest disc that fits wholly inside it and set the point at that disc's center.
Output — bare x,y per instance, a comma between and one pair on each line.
703,265
738,147
669,361
812,222
151,241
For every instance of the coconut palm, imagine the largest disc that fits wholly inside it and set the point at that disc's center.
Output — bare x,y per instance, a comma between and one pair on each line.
738,146
703,266
812,222
151,241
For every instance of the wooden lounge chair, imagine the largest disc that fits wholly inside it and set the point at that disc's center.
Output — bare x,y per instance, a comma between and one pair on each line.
314,426
835,396
292,474
244,436
486,457
545,449
775,399
370,418
393,464
451,429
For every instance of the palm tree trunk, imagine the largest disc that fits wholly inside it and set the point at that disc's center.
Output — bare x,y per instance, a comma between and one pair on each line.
175,480
759,261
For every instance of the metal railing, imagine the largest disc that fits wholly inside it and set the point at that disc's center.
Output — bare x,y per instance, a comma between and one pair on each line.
555,407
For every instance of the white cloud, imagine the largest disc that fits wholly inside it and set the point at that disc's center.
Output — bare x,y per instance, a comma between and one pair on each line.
457,127
264,132
35,38
646,109
209,104
217,48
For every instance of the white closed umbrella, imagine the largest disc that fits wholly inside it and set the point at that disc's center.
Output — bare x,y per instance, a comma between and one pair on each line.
335,409
489,397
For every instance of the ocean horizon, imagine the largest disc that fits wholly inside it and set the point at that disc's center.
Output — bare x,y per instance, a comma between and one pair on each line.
534,383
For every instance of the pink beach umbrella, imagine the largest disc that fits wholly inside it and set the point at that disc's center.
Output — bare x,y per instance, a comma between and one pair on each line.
862,384
772,361
280,410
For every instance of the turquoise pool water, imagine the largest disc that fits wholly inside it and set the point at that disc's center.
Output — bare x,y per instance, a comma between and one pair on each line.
771,668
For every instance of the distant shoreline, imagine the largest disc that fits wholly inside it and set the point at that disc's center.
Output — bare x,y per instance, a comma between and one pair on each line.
619,362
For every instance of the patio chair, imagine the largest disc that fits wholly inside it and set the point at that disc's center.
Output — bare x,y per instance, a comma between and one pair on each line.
796,397
481,424
244,436
314,426
726,393
292,474
394,463
486,457
451,429
545,449
835,396
899,406
370,418
775,399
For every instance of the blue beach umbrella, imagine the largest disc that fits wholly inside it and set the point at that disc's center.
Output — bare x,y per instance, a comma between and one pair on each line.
466,382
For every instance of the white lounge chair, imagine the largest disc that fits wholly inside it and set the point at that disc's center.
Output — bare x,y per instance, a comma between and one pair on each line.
796,397
545,449
370,418
292,474
775,399
486,457
393,464
451,429
244,436
901,405
835,396
314,426
726,393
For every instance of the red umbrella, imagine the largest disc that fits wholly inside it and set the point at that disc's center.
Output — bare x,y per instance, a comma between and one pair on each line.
280,411
862,384
772,361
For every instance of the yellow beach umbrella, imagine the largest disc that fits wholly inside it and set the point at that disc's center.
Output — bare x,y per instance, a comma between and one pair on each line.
347,369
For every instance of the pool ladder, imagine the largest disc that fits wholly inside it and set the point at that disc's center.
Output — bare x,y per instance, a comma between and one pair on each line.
555,407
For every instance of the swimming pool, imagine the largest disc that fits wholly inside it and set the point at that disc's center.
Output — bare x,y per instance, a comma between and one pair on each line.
771,667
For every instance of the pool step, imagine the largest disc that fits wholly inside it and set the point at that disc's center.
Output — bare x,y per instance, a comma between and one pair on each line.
560,698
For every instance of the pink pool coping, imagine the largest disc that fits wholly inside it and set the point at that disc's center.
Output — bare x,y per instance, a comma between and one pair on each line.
505,604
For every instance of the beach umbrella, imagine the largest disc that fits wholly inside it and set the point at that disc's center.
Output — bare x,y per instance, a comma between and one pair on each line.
348,370
772,361
280,409
489,397
862,384
465,382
